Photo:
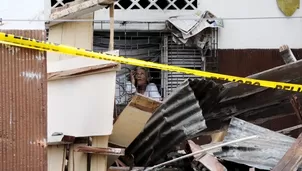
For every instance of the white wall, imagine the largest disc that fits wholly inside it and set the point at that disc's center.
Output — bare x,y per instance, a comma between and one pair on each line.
237,33
13,10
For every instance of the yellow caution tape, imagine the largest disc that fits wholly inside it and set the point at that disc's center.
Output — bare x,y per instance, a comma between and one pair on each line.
53,47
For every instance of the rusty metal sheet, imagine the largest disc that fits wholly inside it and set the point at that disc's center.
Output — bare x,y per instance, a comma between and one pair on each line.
244,62
23,106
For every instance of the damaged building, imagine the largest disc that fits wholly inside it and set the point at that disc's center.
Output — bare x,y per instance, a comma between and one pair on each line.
91,111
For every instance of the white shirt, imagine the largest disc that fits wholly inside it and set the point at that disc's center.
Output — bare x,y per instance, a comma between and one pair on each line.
151,90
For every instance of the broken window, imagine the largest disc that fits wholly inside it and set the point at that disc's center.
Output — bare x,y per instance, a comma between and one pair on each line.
157,4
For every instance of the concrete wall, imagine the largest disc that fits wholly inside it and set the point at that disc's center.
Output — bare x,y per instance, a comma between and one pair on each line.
238,33
13,10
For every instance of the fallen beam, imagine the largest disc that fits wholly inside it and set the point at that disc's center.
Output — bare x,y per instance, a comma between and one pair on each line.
88,70
252,103
102,151
138,169
237,90
76,9
60,139
292,159
207,160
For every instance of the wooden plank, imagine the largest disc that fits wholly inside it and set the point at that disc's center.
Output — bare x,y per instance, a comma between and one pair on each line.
111,15
77,160
88,100
292,158
140,168
76,34
207,160
56,157
102,151
132,120
89,70
99,162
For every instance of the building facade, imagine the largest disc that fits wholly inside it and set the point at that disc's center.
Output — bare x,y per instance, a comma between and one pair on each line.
248,42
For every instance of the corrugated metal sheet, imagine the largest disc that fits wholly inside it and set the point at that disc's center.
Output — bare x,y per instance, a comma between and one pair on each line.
244,62
177,119
262,153
23,106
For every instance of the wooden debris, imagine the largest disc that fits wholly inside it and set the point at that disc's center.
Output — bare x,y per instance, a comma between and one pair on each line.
287,54
297,107
292,159
207,160
76,9
103,151
60,140
88,70
138,169
256,104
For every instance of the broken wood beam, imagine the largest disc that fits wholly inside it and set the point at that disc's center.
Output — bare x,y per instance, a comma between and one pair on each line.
99,162
111,15
297,107
207,160
252,103
283,73
290,129
60,139
139,169
76,9
292,158
287,54
83,71
102,151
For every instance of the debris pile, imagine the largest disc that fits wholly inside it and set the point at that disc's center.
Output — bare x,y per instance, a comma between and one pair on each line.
251,127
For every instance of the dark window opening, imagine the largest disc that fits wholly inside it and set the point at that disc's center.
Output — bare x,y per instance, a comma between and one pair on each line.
117,7
162,3
144,3
180,4
153,7
135,7
195,3
53,2
125,3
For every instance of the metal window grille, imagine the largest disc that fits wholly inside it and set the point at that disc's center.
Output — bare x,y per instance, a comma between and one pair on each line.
179,55
59,3
140,45
156,47
156,4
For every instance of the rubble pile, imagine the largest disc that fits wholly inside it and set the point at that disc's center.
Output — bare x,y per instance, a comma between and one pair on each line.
250,127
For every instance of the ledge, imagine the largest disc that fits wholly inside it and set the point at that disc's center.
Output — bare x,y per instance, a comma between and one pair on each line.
76,9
